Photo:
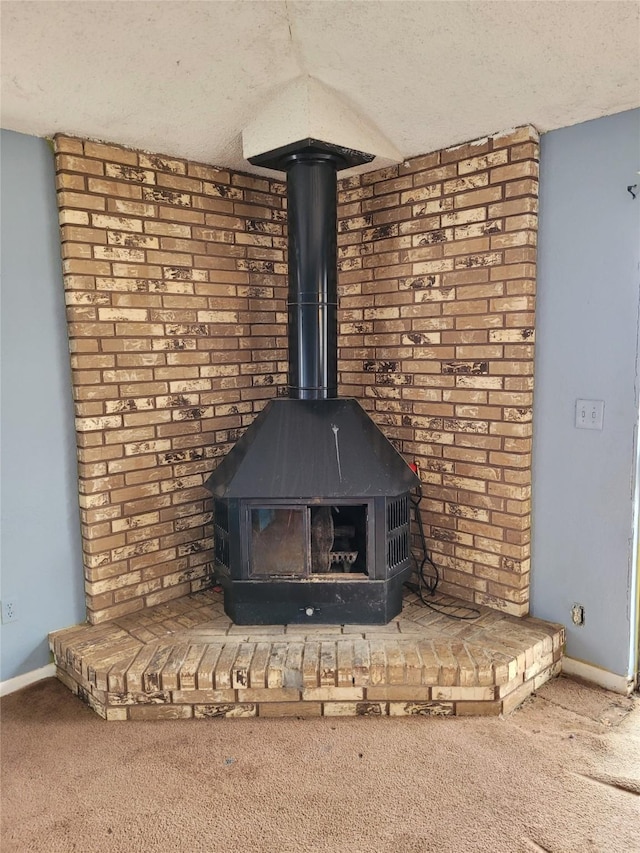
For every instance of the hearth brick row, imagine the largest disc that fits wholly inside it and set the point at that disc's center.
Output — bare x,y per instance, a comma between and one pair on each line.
186,659
176,288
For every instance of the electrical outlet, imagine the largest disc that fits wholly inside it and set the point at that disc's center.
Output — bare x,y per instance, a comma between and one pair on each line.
9,611
577,614
589,414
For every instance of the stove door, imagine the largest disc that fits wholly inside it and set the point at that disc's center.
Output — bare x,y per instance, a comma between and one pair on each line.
278,541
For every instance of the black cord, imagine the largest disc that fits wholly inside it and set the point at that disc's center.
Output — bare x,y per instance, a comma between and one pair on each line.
428,585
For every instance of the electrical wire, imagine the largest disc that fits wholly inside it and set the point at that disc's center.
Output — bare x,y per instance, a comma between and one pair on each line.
428,585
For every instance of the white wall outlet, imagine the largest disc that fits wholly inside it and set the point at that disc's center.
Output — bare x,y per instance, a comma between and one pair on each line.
589,414
9,610
577,614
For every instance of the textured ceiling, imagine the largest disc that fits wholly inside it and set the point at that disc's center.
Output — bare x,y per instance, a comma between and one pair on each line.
185,78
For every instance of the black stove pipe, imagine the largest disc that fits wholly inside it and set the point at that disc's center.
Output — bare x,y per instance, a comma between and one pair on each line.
312,199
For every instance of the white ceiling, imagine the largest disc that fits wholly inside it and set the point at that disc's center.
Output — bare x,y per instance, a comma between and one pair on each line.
185,78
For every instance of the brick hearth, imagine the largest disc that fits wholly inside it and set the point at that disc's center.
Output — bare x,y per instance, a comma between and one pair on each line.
185,659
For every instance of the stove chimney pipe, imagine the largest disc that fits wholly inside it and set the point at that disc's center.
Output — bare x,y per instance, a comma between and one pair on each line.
312,199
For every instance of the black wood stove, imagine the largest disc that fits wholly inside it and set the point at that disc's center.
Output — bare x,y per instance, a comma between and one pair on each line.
311,506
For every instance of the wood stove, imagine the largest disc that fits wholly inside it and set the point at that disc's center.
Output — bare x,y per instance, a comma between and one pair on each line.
311,506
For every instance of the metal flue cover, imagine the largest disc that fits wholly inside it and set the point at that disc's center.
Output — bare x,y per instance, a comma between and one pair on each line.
306,449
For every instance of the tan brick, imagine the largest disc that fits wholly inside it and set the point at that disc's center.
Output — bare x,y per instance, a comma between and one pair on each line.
411,692
119,714
525,151
160,712
134,208
68,145
417,164
267,694
332,694
67,162
224,710
478,197
469,694
70,182
84,201
421,709
520,135
73,217
110,152
354,709
290,709
202,697
478,709
476,164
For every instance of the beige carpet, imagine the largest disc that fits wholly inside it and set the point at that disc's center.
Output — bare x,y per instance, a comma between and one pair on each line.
562,774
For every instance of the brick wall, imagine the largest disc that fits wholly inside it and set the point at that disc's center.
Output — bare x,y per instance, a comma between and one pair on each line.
175,278
437,290
175,282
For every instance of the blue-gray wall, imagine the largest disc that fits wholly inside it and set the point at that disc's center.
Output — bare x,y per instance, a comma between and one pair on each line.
586,347
40,537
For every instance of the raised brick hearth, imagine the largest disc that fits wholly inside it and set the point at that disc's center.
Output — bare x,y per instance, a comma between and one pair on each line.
186,659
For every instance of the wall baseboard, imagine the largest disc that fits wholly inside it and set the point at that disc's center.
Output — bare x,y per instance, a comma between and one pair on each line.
596,675
27,678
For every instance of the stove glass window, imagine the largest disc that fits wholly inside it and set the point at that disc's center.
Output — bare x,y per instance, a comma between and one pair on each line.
278,541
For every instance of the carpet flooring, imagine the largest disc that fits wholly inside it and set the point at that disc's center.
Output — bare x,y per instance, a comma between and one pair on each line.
561,774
